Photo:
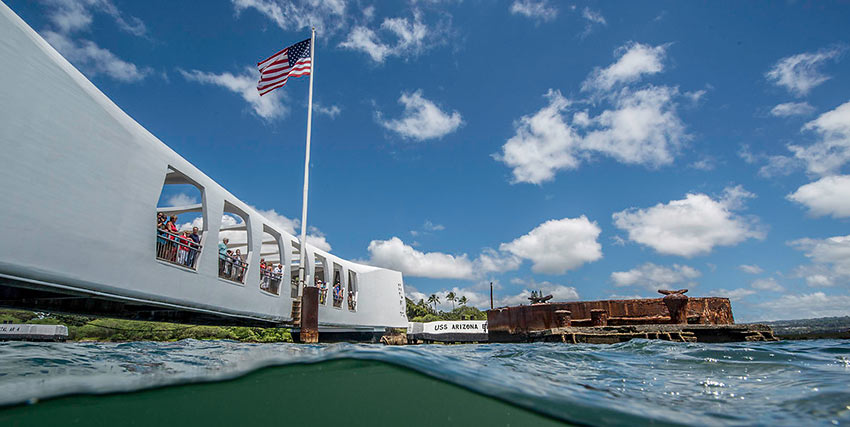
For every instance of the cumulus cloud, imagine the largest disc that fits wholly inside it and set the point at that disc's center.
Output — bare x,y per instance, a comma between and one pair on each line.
396,37
801,73
77,15
635,126
540,10
331,111
422,119
654,277
397,255
69,17
635,61
642,127
769,284
830,260
95,60
827,196
328,16
831,151
269,106
751,269
181,199
293,226
805,306
557,246
789,109
690,226
553,247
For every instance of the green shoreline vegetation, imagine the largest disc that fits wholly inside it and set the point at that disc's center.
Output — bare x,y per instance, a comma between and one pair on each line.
424,312
85,328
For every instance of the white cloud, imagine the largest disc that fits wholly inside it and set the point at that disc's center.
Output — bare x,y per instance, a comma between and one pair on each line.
181,199
314,236
592,17
399,37
328,16
704,164
768,284
690,226
557,246
77,15
733,294
751,269
827,196
396,255
73,16
553,247
830,260
635,61
422,119
536,9
829,154
95,60
801,73
331,111
789,109
544,143
430,226
641,128
268,107
806,306
654,277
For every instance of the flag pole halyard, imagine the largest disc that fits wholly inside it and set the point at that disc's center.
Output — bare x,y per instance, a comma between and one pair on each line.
302,264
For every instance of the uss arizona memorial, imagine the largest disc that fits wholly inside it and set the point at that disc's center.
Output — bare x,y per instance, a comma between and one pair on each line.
71,156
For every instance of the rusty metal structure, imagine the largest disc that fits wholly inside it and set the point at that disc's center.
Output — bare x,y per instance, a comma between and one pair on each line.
675,317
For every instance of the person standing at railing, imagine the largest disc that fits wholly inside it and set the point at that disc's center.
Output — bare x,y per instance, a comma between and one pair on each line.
238,270
161,242
222,255
171,228
194,246
264,275
183,247
276,278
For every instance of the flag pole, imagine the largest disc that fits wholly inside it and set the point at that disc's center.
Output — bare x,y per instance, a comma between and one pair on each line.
302,264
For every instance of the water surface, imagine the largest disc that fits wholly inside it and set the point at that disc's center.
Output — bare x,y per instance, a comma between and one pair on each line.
634,383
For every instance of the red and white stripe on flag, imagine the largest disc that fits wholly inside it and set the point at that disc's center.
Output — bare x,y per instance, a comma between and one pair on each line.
278,68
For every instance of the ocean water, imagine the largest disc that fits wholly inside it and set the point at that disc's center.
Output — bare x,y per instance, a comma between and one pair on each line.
635,383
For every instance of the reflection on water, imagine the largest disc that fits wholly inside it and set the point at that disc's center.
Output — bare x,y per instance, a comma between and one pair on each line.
804,382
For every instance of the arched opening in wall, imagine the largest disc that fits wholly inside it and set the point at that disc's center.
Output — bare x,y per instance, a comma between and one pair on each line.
294,264
271,265
180,225
321,279
339,288
352,290
235,244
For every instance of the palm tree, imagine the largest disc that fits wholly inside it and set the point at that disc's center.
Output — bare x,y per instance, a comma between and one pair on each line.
451,297
462,301
434,299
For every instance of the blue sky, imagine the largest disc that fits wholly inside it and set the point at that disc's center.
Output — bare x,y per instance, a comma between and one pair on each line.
591,150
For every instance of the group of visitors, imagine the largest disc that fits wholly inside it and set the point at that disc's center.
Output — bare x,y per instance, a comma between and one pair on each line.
172,245
270,276
338,293
231,264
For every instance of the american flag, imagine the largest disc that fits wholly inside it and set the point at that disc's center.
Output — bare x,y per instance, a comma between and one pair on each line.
293,61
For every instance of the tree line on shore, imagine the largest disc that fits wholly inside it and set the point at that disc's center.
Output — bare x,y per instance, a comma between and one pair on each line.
423,311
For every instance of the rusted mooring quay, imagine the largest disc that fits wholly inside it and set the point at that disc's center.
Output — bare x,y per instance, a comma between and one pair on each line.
673,318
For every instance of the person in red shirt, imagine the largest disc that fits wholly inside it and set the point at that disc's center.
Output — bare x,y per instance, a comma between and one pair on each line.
183,248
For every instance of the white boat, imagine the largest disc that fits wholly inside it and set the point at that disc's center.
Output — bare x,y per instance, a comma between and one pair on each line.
79,185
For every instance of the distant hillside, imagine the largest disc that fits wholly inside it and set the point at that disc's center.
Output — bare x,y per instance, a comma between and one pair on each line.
824,327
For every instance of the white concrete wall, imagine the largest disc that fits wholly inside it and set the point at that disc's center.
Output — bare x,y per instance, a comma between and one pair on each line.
79,185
